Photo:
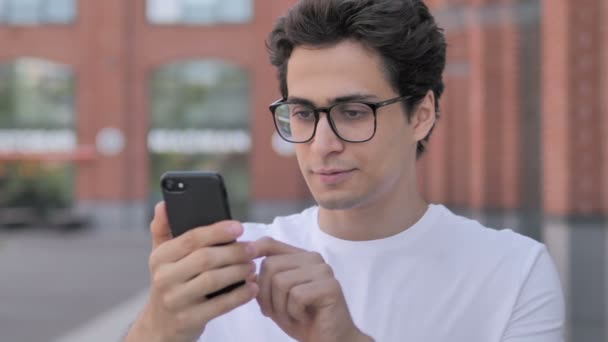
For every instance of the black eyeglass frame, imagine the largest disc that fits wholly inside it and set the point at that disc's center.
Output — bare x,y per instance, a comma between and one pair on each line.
317,110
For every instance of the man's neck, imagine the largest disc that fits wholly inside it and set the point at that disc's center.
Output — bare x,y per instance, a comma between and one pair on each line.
387,216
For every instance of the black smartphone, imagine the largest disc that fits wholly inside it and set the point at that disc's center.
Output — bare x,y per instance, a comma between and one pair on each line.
194,199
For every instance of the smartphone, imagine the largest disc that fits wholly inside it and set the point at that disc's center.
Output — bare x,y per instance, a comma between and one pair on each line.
194,199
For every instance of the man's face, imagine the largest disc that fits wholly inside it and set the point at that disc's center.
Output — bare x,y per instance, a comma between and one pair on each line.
344,175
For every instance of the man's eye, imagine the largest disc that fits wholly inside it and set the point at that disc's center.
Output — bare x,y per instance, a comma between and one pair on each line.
352,114
352,111
303,114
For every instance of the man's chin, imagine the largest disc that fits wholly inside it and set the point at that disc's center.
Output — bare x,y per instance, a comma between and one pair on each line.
337,203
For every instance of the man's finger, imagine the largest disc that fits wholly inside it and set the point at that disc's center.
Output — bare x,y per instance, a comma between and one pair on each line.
209,282
224,303
159,228
205,259
281,287
311,295
274,265
267,246
215,234
299,299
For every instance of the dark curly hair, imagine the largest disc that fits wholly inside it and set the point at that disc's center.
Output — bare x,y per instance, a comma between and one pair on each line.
402,32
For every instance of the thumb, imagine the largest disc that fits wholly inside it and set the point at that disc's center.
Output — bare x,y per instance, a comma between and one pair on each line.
159,228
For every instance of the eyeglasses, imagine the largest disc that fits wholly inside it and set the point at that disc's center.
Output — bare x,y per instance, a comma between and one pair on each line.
351,121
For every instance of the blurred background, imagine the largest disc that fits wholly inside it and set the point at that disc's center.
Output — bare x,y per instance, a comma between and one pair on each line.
99,98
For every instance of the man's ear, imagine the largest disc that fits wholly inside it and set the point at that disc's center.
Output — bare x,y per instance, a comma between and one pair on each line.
424,117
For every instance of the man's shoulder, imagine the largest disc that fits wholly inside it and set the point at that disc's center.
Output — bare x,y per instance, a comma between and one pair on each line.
474,239
489,259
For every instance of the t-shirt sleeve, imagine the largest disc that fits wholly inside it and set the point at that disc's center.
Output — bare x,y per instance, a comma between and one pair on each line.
539,312
215,332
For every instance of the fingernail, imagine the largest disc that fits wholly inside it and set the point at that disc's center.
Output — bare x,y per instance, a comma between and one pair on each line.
254,288
234,228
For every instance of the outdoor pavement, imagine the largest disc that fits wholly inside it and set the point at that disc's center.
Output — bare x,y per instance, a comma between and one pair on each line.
70,286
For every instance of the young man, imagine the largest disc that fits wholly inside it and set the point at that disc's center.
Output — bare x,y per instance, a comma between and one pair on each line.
360,81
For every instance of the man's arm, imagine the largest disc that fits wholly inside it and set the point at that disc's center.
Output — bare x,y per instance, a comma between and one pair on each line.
539,313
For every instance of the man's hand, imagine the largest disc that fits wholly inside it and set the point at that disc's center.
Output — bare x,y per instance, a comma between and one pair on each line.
299,292
184,270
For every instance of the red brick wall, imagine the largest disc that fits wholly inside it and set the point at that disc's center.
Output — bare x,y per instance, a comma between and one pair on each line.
474,157
555,104
113,51
244,46
456,120
482,108
574,165
150,46
584,108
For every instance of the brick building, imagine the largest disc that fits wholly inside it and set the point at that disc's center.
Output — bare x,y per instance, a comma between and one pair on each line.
522,141
113,48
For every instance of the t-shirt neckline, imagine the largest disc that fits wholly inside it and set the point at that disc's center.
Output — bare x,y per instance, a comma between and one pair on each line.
400,240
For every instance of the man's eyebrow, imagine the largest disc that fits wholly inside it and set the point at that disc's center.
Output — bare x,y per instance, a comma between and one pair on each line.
299,100
353,97
344,98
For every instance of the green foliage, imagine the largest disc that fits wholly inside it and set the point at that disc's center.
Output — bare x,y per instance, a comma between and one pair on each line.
43,191
36,94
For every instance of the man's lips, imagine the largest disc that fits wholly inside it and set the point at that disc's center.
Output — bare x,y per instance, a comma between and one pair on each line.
333,176
330,171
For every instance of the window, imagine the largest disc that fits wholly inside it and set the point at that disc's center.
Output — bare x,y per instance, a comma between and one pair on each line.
200,121
36,12
36,117
36,94
199,12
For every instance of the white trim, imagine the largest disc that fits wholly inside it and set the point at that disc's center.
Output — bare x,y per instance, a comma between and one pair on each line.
111,325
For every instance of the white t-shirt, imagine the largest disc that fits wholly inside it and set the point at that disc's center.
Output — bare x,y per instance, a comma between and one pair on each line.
446,278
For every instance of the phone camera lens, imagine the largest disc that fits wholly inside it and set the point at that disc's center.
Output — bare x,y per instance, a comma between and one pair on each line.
174,185
170,184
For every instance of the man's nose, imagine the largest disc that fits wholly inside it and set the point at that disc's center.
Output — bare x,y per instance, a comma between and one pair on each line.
325,139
